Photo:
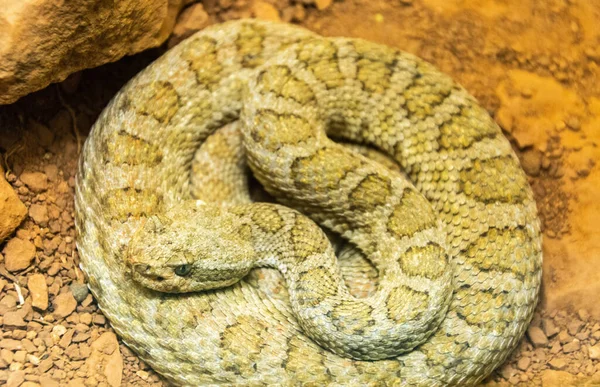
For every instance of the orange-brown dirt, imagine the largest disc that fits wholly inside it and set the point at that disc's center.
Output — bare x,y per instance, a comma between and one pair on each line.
532,64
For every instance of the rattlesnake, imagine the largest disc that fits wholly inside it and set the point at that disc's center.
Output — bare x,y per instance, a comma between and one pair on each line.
291,85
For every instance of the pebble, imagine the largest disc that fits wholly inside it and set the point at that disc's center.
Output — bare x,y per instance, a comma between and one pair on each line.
564,337
192,19
80,291
15,378
12,210
532,162
537,337
99,319
59,330
35,181
18,254
64,304
38,289
265,11
594,352
574,327
572,346
105,360
558,364
583,314
39,214
323,4
549,328
523,363
14,320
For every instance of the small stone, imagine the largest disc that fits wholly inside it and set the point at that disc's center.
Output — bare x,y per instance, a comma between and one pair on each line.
99,319
106,358
59,330
523,363
549,327
574,327
572,346
583,315
14,320
558,364
537,337
265,11
6,355
508,372
10,344
15,378
18,254
594,352
64,304
38,289
142,374
192,19
574,124
564,337
45,365
85,318
12,210
39,214
35,181
532,162
323,4
80,291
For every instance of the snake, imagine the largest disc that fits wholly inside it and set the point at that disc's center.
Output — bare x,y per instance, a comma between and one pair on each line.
438,270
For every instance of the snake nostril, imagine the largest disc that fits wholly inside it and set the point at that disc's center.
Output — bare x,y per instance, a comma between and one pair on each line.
141,268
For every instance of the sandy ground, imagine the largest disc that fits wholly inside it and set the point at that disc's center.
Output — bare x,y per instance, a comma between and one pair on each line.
532,64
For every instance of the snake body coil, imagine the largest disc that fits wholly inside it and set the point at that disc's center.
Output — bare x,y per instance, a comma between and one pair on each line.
457,260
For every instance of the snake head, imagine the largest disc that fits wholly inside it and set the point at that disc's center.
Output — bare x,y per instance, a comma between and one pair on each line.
189,249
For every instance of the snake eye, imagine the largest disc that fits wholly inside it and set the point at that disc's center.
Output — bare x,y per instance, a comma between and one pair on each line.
183,270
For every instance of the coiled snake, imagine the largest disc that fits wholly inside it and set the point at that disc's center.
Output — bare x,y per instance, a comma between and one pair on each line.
453,240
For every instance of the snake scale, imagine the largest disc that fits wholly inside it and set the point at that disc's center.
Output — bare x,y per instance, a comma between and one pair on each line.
452,236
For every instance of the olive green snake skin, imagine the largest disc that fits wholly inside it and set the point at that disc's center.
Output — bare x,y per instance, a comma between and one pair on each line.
457,258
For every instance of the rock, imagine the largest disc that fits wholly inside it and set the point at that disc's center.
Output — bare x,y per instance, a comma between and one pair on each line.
14,320
265,11
105,360
18,254
35,52
549,327
523,363
532,162
80,291
15,379
64,304
39,214
12,210
564,337
35,181
574,327
322,4
558,364
192,19
573,346
39,291
594,352
537,337
99,319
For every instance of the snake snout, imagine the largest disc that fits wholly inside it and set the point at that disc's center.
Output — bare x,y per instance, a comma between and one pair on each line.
149,272
141,268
